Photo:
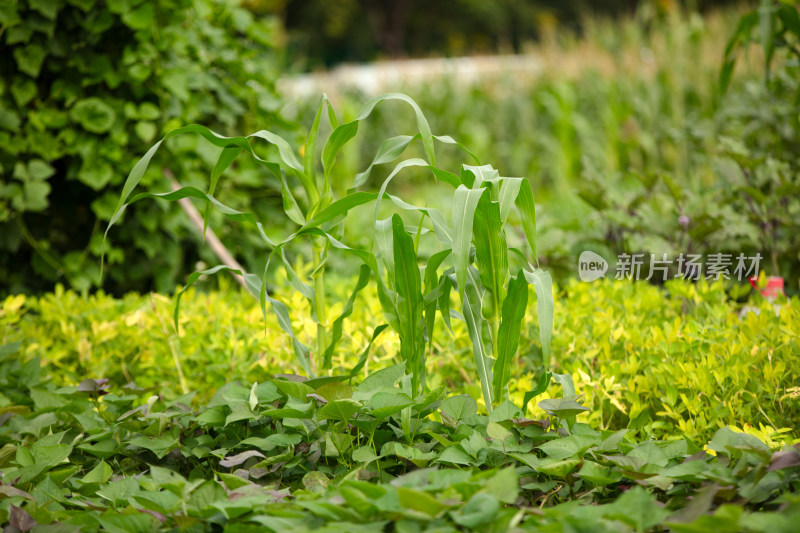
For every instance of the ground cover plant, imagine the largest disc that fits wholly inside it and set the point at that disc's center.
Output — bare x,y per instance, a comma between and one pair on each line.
679,362
402,379
323,456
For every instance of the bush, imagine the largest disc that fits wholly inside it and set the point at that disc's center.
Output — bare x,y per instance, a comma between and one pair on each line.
667,363
85,88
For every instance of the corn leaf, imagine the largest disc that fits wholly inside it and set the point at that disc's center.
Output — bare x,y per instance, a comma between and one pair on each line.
527,211
543,284
471,308
408,287
513,313
347,310
431,285
465,201
491,250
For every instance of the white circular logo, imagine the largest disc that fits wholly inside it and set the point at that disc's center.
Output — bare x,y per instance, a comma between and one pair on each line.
591,266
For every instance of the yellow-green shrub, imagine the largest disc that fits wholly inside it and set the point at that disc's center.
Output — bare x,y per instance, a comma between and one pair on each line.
668,361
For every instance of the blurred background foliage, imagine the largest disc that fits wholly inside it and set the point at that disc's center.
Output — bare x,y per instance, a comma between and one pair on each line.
632,139
325,33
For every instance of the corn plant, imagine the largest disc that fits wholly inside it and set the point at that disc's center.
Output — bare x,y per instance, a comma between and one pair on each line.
493,302
316,211
474,260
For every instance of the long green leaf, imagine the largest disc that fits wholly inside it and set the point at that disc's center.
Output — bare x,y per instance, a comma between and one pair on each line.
389,150
543,284
527,211
294,280
444,300
431,284
285,150
189,192
443,232
465,201
290,205
471,309
383,236
514,305
343,133
408,287
540,388
422,122
509,190
338,324
311,140
475,176
365,354
221,141
392,148
338,138
340,207
226,157
446,139
416,162
491,251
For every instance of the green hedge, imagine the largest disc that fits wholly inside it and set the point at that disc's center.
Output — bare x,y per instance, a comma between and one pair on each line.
665,362
86,86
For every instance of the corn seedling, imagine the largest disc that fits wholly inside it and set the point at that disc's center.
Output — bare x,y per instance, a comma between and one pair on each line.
474,255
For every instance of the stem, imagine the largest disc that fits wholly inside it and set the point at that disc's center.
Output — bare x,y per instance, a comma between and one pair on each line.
320,304
207,234
38,248
174,346
312,194
495,330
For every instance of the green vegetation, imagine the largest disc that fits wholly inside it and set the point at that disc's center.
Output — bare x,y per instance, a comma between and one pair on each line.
492,303
85,87
382,365
630,141
327,456
666,363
